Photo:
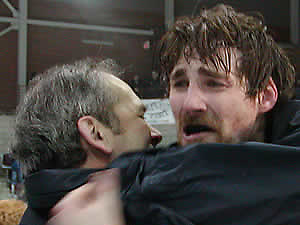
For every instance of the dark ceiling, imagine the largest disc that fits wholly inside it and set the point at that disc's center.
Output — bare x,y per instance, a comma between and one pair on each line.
147,14
276,13
142,14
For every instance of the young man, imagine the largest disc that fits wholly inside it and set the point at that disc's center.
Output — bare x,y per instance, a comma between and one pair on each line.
74,117
226,77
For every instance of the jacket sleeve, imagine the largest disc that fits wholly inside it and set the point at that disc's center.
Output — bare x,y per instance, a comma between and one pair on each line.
248,183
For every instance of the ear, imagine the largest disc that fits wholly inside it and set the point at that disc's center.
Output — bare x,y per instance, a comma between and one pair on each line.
268,97
94,133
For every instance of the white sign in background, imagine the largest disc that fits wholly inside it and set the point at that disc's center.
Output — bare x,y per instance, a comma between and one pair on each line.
158,111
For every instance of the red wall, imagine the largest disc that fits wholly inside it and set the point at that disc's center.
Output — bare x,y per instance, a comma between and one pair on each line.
48,46
8,70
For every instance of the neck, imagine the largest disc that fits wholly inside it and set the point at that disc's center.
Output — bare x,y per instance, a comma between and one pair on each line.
93,164
257,133
95,161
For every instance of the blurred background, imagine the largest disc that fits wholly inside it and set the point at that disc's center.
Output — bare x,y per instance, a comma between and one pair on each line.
37,34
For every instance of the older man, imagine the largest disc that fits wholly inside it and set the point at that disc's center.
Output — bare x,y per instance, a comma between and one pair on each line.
75,117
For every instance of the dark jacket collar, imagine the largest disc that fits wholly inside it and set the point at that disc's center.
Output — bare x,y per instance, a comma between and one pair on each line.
285,125
45,188
53,185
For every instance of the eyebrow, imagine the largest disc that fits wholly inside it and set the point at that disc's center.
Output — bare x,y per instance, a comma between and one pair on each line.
177,74
210,73
181,72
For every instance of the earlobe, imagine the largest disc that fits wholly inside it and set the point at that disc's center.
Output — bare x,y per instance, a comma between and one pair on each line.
268,97
91,131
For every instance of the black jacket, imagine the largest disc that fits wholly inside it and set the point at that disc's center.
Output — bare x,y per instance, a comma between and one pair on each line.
215,184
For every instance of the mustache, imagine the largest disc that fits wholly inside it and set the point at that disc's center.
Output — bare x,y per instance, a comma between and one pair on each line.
206,119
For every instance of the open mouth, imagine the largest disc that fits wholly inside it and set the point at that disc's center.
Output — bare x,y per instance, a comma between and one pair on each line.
194,129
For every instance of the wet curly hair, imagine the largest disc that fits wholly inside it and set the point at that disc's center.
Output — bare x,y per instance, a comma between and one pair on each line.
221,27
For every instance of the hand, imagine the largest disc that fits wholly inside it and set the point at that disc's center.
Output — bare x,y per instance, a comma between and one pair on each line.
95,203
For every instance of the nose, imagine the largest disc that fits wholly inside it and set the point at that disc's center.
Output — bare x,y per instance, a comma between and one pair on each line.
156,136
194,100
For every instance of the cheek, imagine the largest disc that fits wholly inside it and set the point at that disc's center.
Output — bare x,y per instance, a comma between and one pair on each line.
141,129
176,101
241,117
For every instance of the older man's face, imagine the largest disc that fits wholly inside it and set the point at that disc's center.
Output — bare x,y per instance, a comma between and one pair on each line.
209,106
135,132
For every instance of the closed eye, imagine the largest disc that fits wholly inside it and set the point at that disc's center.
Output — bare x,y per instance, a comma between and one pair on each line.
213,83
141,111
180,84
